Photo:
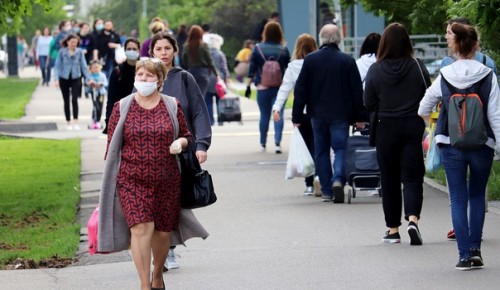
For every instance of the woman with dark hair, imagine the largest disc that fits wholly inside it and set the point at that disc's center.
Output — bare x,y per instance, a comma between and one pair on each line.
121,82
68,69
196,58
304,45
467,171
272,46
395,84
368,54
182,85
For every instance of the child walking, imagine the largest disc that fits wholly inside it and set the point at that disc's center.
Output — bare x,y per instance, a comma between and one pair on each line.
97,92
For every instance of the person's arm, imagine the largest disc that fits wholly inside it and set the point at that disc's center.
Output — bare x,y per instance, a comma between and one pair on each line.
370,97
112,95
224,69
359,114
284,90
56,67
493,106
199,119
432,96
301,93
206,57
113,121
83,67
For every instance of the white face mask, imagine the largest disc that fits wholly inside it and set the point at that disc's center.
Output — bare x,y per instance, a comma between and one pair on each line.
145,88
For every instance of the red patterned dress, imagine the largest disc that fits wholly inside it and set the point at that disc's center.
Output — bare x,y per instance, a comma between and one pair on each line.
149,180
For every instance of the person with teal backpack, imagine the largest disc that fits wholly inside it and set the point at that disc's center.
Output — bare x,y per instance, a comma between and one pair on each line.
467,166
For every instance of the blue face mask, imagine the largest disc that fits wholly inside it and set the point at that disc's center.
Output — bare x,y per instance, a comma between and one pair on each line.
76,29
132,54
99,27
95,75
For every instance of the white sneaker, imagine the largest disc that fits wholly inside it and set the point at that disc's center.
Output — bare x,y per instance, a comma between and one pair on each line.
76,127
309,190
277,149
69,128
171,263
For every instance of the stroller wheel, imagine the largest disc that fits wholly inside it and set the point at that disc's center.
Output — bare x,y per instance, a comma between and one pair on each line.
349,196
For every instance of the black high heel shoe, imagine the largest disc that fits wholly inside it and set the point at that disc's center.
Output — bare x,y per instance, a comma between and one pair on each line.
163,282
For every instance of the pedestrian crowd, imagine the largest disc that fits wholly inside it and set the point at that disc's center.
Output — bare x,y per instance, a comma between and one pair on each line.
386,89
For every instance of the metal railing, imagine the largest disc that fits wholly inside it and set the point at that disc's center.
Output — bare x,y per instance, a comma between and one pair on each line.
427,47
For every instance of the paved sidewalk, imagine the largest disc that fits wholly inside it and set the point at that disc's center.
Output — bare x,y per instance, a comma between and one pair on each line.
264,234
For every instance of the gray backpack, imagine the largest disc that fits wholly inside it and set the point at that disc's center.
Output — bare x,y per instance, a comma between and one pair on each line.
468,124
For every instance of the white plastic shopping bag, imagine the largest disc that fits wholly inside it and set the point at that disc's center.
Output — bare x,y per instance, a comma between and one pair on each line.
120,55
300,162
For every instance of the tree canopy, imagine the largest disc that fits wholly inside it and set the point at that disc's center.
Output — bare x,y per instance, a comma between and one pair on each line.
428,16
12,12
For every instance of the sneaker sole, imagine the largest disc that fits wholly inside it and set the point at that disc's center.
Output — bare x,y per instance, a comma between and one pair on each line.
463,269
391,241
478,261
326,199
415,237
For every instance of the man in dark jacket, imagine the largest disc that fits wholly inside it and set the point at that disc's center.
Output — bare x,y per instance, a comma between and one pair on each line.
330,86
104,47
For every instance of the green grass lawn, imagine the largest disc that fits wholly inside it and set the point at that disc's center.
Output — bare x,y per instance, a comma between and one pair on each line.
14,95
39,195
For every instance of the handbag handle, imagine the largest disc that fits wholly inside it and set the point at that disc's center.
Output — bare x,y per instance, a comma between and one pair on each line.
421,72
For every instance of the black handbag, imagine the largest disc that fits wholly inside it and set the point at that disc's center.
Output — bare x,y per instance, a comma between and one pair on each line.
197,189
373,128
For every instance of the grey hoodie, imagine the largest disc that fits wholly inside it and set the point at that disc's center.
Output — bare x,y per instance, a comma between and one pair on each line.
193,105
462,74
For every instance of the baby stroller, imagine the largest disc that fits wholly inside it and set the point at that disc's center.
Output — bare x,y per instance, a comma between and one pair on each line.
361,165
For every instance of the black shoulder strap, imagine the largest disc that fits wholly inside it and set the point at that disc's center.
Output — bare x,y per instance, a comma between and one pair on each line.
484,59
185,80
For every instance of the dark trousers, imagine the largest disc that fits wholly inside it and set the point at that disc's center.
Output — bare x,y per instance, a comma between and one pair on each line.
401,160
75,85
97,102
306,131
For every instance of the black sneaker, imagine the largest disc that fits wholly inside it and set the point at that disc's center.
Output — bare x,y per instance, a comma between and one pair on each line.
392,238
338,193
476,259
463,265
414,233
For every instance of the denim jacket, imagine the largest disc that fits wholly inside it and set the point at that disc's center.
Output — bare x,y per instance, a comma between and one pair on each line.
67,65
279,52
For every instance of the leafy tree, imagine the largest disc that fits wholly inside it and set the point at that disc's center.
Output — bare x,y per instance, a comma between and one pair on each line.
12,12
418,16
44,18
485,14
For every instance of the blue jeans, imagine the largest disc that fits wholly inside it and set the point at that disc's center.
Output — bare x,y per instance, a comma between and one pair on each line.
45,68
330,134
467,192
265,100
209,101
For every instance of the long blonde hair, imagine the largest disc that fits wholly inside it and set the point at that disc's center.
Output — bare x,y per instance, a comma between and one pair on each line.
304,45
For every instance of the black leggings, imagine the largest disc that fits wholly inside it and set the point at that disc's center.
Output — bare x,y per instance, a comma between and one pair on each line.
76,87
307,133
97,101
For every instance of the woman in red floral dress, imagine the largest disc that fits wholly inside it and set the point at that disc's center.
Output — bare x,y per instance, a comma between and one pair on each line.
149,179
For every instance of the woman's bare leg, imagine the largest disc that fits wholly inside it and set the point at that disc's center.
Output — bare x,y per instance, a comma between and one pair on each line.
141,237
160,245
